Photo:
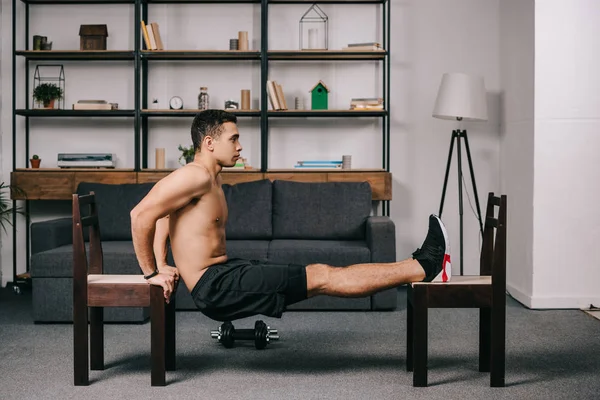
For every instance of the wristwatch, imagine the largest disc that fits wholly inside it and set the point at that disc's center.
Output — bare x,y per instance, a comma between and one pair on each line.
151,275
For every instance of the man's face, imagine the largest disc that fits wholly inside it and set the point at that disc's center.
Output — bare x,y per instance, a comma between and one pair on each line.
227,147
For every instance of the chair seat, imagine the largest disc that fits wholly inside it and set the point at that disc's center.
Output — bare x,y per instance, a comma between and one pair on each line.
461,280
116,279
463,291
105,290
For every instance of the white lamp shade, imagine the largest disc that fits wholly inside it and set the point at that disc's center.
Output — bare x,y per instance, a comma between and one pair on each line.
461,96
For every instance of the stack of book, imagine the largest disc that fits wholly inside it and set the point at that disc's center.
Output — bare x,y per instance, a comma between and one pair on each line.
372,46
366,103
94,105
151,36
276,96
318,164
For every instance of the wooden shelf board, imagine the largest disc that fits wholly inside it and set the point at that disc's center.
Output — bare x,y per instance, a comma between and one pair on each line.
77,54
328,1
332,170
326,55
41,112
146,112
60,184
94,170
201,54
327,113
202,1
228,171
78,1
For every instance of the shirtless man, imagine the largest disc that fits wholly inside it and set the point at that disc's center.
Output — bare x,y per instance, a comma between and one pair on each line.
189,206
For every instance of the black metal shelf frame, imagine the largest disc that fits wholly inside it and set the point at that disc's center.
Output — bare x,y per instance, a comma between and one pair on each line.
28,113
141,59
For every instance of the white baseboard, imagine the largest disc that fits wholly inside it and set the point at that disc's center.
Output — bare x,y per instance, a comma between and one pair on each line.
577,302
519,295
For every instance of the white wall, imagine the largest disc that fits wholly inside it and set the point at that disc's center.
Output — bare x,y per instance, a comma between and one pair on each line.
567,177
517,140
428,38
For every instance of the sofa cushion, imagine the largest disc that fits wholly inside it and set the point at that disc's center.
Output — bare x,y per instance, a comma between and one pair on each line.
340,253
249,206
248,249
324,210
115,203
119,258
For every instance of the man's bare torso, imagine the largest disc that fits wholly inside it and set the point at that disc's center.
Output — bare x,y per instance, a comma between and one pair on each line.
197,233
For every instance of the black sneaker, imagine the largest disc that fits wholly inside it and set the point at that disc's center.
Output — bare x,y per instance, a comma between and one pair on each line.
434,254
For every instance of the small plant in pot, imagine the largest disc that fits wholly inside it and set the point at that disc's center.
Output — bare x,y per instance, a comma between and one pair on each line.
187,154
5,204
35,161
46,94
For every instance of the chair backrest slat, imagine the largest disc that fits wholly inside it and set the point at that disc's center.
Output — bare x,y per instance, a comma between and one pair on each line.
499,263
493,232
90,220
86,199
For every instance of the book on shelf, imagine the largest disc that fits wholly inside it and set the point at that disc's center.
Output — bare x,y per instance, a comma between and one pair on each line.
318,164
366,103
364,44
92,105
373,46
276,96
151,35
321,166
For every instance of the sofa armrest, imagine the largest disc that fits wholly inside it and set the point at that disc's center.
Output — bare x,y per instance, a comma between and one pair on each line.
50,234
381,239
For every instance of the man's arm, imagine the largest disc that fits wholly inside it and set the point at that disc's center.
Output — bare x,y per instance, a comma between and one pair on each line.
168,195
161,235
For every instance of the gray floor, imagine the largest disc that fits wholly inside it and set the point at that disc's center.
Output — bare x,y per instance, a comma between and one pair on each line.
552,354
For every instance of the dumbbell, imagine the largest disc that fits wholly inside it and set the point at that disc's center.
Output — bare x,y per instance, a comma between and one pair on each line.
261,334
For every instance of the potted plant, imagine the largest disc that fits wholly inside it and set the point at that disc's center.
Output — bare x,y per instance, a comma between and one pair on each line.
35,161
5,209
47,93
187,153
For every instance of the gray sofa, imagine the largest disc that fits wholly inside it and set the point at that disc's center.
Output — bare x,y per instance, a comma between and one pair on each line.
278,222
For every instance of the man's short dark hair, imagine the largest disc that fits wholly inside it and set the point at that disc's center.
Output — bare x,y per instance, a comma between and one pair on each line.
209,123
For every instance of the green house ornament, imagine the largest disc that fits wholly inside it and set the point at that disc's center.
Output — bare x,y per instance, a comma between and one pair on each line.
319,96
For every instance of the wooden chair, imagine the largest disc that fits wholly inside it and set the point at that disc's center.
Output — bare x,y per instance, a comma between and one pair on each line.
485,291
94,290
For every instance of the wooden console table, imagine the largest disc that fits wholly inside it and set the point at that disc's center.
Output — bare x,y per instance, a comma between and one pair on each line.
60,184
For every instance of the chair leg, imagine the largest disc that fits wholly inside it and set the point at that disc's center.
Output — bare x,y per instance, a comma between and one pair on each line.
498,344
170,346
409,336
96,338
420,321
81,373
485,325
157,333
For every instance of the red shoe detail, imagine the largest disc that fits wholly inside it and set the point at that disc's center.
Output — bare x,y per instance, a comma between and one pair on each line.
444,274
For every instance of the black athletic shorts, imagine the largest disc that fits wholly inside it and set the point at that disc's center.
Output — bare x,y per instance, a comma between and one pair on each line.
243,288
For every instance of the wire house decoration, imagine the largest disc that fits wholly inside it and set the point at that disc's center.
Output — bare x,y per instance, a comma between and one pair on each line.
45,75
314,28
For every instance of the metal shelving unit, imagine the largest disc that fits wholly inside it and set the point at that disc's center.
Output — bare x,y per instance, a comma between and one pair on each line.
141,59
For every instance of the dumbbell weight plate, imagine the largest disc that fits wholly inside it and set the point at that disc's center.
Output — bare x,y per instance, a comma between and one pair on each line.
260,335
227,334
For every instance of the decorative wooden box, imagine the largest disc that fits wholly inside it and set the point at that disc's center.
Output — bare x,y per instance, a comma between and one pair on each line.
92,37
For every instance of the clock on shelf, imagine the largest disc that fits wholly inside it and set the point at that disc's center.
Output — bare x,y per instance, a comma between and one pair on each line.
176,103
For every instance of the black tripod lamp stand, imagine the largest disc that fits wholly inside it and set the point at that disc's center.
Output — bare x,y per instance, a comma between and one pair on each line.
461,97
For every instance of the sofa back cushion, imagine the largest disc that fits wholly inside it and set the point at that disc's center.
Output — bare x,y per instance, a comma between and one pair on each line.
115,203
249,206
320,210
